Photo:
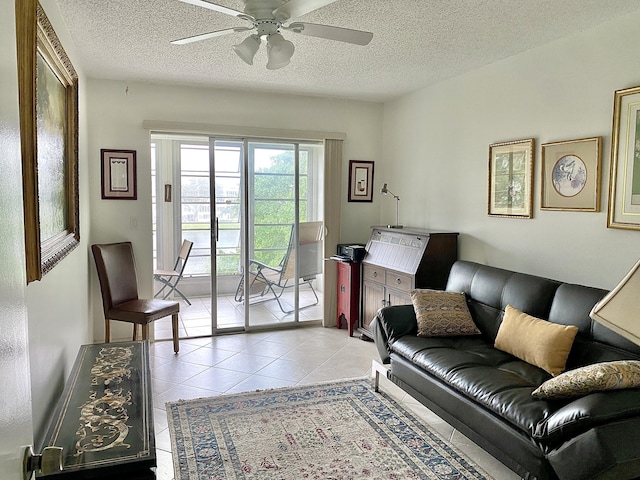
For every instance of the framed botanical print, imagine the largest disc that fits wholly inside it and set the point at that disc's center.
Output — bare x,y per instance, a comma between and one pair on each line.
511,179
624,181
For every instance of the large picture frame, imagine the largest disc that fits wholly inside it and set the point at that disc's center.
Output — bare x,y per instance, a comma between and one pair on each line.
510,182
571,175
118,174
48,96
360,181
624,179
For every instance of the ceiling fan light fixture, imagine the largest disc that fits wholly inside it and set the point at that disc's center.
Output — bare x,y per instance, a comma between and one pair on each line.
279,51
267,21
248,48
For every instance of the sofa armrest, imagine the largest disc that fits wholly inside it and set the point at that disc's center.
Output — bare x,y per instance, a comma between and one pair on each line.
589,411
390,324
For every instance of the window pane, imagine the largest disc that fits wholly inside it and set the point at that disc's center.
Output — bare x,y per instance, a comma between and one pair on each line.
274,186
198,265
194,158
273,209
200,259
271,243
227,158
228,263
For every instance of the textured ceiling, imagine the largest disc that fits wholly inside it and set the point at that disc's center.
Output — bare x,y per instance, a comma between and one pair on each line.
416,42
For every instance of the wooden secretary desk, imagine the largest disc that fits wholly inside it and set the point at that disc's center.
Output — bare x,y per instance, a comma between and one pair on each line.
400,260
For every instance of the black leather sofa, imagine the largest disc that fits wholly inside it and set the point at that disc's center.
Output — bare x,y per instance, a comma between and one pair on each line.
485,393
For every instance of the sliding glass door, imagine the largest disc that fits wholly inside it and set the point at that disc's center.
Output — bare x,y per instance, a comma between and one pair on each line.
257,256
282,270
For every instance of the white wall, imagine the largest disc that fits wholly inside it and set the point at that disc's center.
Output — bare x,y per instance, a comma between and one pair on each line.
57,305
15,396
117,110
436,153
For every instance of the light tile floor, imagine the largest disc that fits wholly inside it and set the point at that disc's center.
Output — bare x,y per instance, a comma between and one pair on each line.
235,363
195,319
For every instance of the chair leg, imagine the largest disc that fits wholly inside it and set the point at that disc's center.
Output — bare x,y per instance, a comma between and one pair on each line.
172,288
174,328
107,331
308,282
181,294
135,332
145,331
239,289
161,280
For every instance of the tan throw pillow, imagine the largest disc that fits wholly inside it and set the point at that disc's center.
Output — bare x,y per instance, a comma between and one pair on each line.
591,378
442,314
538,342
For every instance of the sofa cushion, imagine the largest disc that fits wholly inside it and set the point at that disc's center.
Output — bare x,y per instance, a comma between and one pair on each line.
538,342
503,384
591,378
493,378
442,313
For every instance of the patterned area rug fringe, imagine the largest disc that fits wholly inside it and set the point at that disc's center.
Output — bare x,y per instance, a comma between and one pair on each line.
339,430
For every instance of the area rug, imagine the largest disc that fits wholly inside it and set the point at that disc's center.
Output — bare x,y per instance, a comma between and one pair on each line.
329,431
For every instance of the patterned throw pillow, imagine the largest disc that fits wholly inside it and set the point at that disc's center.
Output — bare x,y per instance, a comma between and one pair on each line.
591,378
536,341
442,314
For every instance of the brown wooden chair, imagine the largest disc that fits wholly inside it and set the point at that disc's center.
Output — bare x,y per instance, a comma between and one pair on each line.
119,286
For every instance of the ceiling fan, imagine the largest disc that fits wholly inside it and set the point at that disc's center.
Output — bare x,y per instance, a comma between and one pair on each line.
268,18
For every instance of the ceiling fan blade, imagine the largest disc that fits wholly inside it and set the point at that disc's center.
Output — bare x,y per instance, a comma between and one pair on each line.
347,35
216,7
297,8
205,36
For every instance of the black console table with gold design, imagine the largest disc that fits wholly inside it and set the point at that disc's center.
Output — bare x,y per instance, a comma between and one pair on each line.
104,420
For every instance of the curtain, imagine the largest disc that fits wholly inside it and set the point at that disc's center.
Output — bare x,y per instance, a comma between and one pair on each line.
332,217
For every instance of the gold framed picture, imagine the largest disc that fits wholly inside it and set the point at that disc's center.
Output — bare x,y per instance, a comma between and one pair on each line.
511,179
571,175
624,179
48,94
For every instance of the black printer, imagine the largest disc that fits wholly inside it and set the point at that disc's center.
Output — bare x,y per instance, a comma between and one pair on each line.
350,252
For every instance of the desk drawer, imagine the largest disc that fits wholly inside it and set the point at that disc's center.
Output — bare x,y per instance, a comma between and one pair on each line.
399,281
373,273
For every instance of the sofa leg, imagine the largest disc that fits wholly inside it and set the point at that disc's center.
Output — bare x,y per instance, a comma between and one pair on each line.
376,369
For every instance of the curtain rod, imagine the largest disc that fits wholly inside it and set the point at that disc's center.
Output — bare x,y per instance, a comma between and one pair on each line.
232,130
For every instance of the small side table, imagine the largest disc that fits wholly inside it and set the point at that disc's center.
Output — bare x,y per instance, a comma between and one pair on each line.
348,294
